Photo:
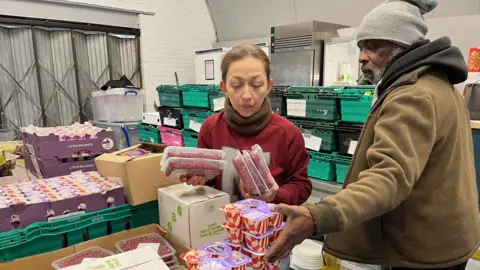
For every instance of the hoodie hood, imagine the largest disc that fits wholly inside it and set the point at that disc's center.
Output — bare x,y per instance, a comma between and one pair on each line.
438,54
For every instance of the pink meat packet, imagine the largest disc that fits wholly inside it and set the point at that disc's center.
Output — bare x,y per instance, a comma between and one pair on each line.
258,159
257,178
245,175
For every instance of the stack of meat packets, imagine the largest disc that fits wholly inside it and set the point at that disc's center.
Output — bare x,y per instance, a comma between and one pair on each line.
253,170
180,162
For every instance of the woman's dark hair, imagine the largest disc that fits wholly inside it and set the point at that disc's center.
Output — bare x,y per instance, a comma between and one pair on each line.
243,51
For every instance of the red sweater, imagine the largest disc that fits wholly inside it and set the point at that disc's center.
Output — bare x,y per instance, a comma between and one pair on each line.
285,150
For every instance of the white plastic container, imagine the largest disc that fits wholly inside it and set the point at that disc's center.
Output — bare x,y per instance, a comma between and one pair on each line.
117,105
346,265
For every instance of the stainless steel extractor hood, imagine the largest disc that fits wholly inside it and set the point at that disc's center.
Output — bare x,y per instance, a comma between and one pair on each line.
297,52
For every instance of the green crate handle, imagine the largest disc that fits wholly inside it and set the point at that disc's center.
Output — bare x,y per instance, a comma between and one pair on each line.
41,229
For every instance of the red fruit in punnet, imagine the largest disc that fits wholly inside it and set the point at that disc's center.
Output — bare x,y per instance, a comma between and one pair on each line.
164,249
77,258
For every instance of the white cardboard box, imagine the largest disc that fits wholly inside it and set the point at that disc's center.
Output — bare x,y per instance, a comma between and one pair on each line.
192,214
140,258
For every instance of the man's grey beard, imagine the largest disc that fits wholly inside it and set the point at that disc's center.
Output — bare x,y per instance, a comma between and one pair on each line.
376,74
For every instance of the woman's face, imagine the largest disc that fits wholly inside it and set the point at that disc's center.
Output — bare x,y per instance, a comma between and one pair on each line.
247,85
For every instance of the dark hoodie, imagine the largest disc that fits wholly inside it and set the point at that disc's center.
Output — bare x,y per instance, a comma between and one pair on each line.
410,197
438,54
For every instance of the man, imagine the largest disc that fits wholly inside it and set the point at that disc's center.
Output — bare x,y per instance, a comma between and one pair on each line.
410,198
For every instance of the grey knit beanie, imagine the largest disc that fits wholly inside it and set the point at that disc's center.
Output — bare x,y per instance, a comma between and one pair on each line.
399,21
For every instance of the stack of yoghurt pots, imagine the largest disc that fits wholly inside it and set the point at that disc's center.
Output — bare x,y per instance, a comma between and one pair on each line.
251,228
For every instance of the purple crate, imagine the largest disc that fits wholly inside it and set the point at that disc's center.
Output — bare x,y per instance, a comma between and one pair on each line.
55,167
25,215
50,147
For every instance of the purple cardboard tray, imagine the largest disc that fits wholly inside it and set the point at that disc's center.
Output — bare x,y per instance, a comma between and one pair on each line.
21,215
55,167
49,147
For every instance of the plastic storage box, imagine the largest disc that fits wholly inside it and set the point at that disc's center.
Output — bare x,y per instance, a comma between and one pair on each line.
277,98
190,138
355,103
348,135
171,117
170,96
342,164
149,133
125,134
324,130
117,105
321,166
193,118
205,96
313,102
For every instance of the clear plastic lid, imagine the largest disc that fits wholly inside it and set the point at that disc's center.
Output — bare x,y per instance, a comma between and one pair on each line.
117,91
77,258
191,152
179,167
165,250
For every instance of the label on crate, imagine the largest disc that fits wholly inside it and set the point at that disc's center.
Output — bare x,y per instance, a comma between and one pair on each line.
170,122
312,142
218,104
195,126
297,107
108,144
352,146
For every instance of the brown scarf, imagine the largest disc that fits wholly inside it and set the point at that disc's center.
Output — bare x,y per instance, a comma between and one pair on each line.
248,125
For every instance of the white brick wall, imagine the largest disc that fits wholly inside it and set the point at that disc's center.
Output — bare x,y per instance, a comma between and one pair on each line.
169,39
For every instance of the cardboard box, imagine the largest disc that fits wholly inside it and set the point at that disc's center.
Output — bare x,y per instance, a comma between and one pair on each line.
141,176
44,261
192,213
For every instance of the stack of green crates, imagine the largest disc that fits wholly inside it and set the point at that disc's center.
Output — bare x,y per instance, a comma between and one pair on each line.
149,133
193,118
322,129
313,102
342,164
203,96
321,166
170,96
355,103
42,237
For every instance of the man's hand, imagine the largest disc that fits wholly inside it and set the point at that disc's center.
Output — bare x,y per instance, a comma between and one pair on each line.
268,196
299,227
194,180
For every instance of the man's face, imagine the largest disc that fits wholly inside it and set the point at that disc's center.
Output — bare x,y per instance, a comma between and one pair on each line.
374,57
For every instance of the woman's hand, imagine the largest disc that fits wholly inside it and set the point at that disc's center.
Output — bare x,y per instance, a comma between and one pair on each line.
194,180
268,196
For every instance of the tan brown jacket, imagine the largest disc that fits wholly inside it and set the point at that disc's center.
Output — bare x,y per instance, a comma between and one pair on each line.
410,197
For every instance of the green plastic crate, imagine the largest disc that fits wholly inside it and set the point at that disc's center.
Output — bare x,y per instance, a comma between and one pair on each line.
149,133
355,103
42,237
324,130
190,138
313,102
342,164
169,95
144,214
194,117
202,96
321,166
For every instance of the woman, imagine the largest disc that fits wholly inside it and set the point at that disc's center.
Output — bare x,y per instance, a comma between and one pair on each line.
248,120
